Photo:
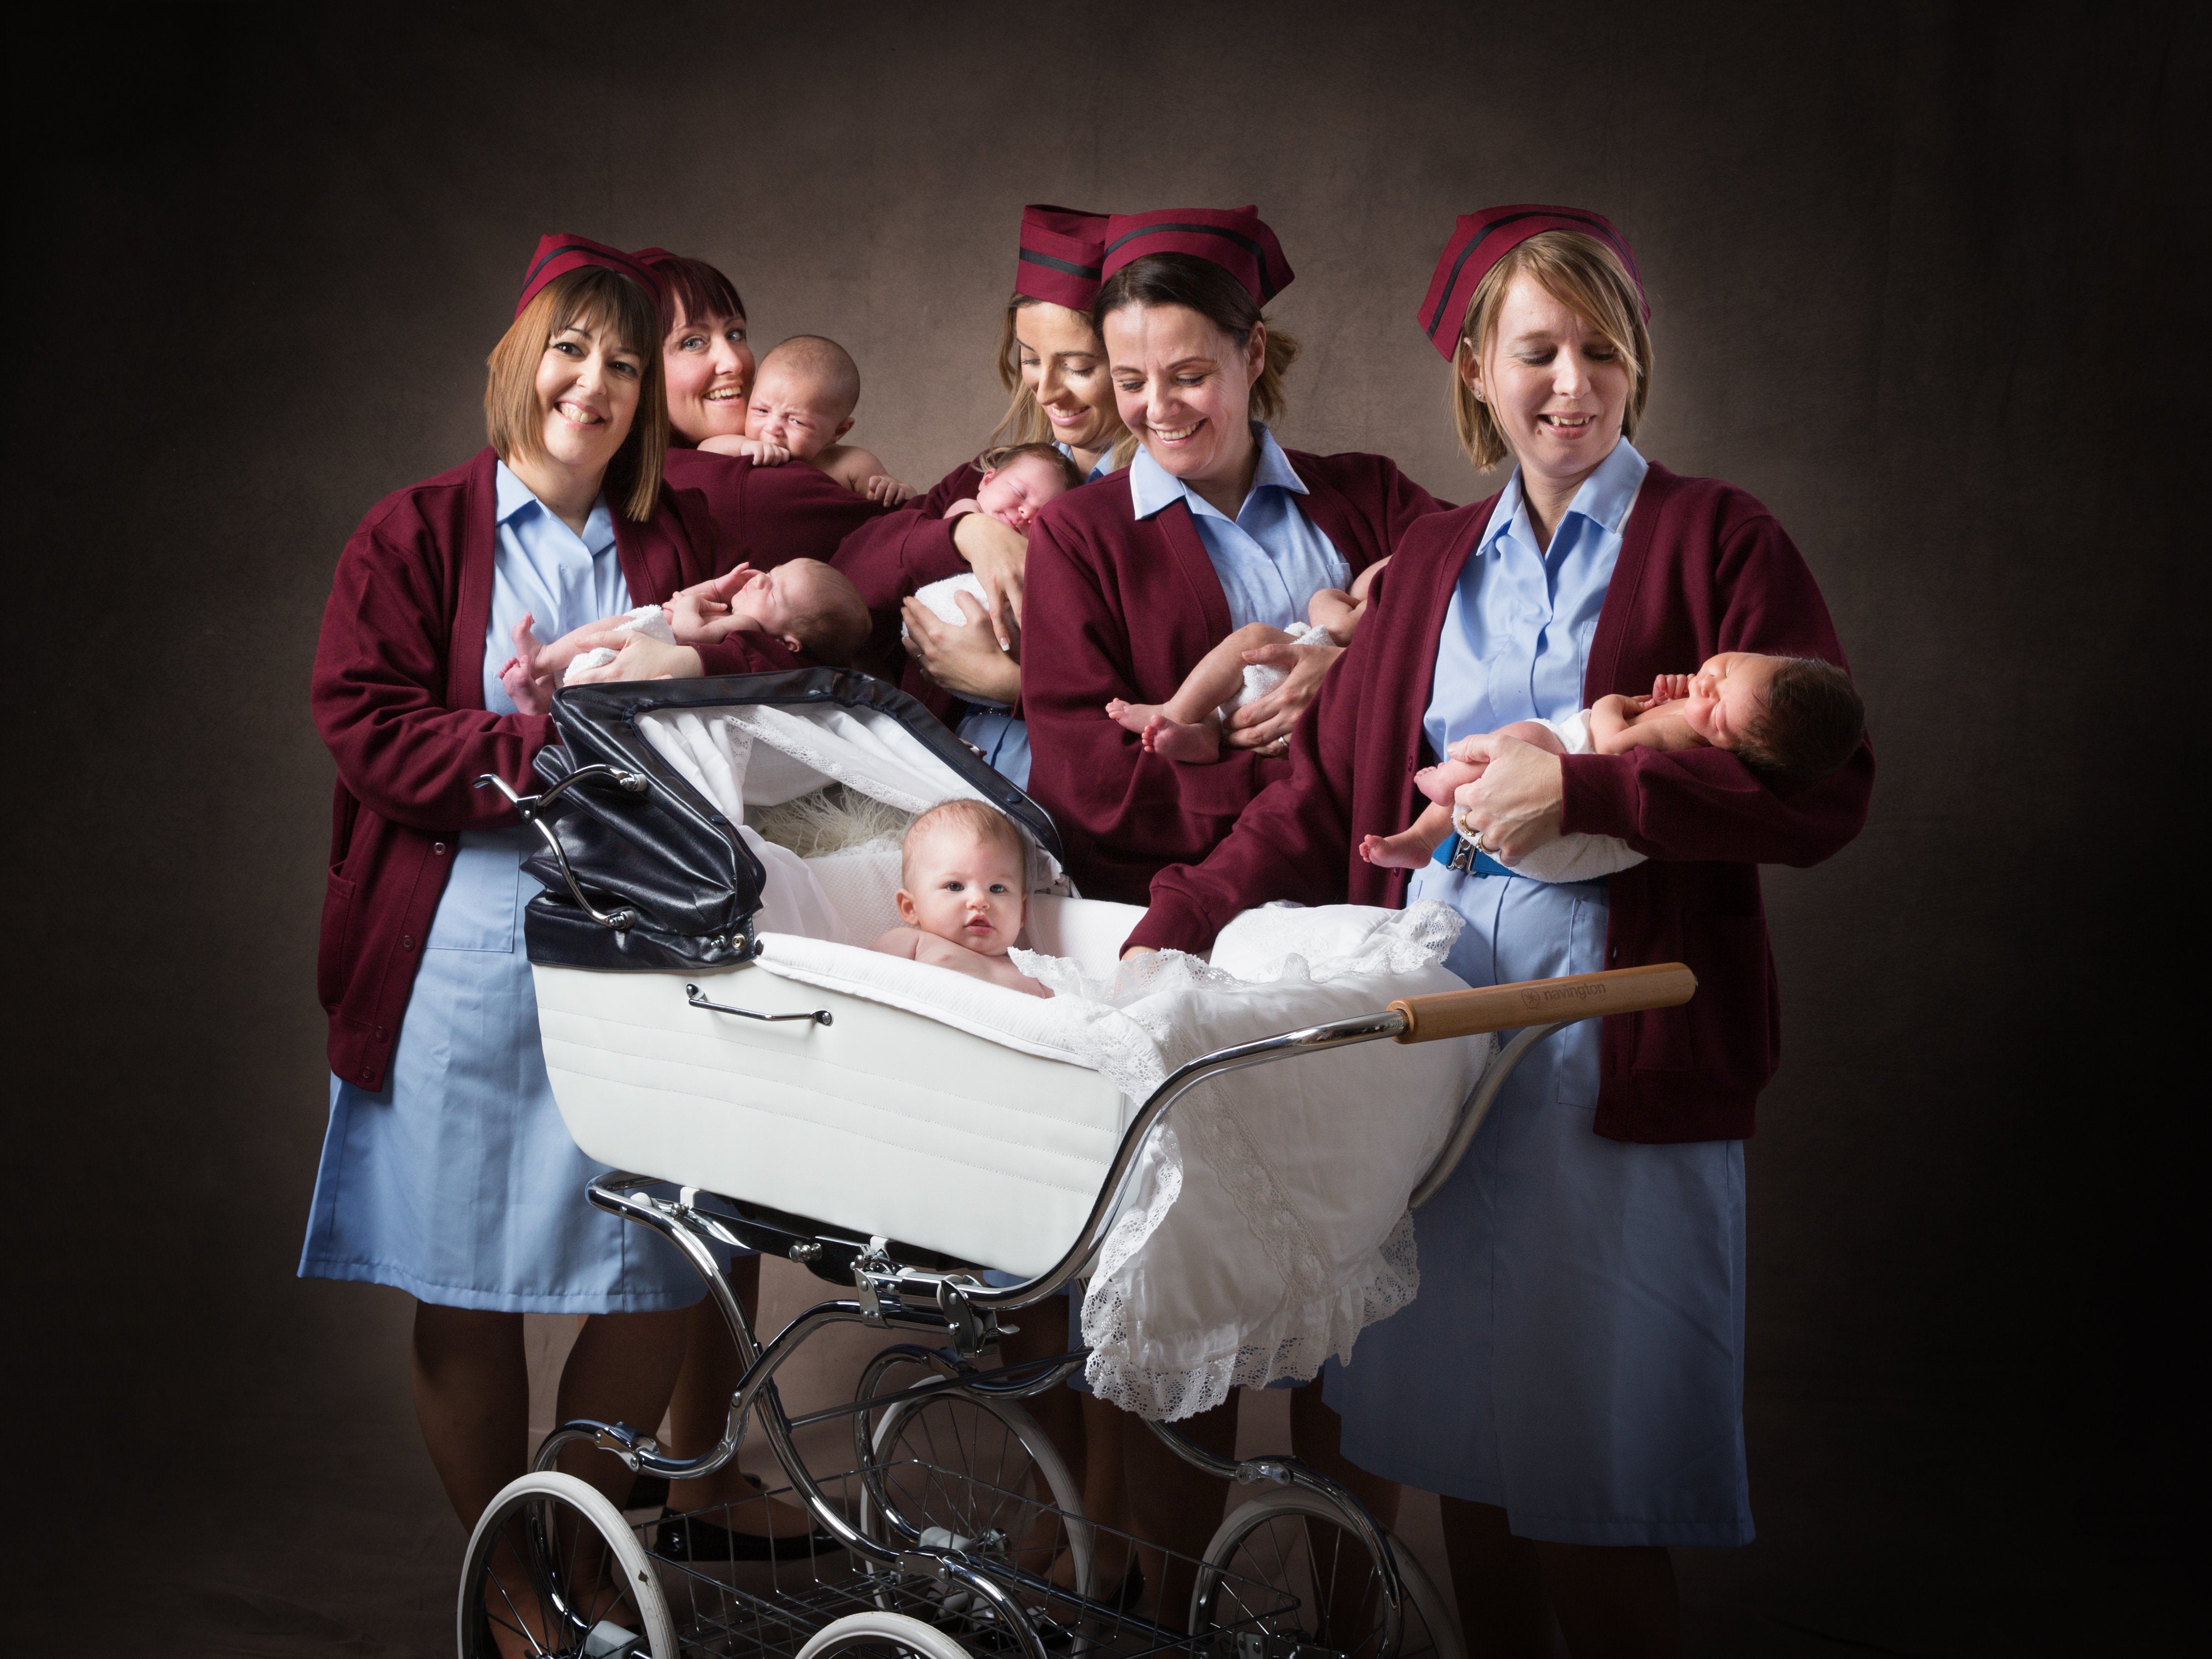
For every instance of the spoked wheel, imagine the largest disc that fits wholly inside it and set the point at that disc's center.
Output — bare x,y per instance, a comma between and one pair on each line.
1299,1546
554,1572
977,1475
881,1635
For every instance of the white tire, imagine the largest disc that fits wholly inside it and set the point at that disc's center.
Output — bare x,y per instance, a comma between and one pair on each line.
545,1503
863,1631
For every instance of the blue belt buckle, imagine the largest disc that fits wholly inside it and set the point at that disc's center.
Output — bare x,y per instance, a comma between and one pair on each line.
1456,853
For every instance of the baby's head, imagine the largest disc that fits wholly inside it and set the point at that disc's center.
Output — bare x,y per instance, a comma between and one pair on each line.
809,605
1020,479
963,875
804,395
1796,717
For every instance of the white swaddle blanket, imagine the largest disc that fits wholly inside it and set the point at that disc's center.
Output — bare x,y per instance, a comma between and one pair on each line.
1261,679
943,598
1575,857
646,620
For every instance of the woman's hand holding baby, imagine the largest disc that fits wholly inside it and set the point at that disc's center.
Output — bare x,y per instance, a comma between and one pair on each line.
963,656
1265,722
998,554
643,658
1518,803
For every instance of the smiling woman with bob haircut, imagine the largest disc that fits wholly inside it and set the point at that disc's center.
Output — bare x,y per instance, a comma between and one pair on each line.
1570,1378
446,1171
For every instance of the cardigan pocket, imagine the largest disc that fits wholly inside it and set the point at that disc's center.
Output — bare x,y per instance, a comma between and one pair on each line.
331,952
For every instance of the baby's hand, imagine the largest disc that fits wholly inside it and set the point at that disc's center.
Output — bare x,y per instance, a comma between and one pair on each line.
888,490
702,616
1666,688
758,451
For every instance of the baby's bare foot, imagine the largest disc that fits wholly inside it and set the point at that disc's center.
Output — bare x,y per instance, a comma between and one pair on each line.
1403,851
1196,743
1131,716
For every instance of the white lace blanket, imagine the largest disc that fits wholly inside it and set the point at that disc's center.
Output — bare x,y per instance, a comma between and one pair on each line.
1267,1227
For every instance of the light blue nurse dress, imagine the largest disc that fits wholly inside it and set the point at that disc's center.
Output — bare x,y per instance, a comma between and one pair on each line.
458,1182
1003,740
1575,1353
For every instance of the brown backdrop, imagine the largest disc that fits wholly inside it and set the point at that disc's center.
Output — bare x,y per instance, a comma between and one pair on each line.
1920,282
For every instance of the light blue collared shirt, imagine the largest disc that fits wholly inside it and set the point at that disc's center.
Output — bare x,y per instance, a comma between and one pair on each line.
1271,558
563,581
1517,636
1099,468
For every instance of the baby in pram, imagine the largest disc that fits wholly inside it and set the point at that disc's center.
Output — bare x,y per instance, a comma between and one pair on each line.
1187,725
1797,718
963,894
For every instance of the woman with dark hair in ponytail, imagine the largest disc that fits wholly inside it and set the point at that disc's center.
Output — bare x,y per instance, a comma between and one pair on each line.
1213,526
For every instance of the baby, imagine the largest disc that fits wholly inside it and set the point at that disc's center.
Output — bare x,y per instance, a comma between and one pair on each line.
1796,718
809,605
803,398
1187,725
1017,481
963,894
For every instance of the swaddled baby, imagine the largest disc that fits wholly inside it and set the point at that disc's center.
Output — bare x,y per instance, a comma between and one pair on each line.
1793,718
963,894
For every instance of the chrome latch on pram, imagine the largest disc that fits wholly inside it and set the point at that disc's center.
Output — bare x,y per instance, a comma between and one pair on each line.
528,808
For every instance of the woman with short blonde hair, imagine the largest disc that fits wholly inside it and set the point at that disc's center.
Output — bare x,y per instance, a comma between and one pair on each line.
446,1171
1570,1378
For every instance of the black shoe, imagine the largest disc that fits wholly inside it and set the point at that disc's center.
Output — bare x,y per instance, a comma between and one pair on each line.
689,1538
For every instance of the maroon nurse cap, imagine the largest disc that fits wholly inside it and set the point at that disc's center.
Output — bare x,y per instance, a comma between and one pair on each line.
1480,240
1235,239
557,256
1060,251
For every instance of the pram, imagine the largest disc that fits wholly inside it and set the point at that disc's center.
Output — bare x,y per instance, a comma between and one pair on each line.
752,1107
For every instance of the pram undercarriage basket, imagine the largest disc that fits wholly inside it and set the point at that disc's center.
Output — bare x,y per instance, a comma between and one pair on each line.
955,1531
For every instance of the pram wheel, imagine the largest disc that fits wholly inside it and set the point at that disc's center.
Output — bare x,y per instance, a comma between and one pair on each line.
979,1476
553,1569
1296,1542
882,1636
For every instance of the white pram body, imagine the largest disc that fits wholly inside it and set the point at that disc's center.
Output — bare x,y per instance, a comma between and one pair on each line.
902,1101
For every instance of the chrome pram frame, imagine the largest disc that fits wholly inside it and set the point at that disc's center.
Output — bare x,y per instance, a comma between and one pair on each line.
956,1318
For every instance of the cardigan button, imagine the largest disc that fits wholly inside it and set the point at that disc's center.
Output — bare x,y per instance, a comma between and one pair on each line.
379,1034
438,847
407,941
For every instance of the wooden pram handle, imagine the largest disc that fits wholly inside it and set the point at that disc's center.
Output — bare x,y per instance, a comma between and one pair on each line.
1542,1002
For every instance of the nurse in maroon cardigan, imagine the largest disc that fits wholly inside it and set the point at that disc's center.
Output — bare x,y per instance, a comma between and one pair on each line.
1214,525
763,515
1054,368
1571,1378
446,1171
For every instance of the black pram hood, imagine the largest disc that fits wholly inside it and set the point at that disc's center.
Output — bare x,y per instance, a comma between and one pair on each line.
663,859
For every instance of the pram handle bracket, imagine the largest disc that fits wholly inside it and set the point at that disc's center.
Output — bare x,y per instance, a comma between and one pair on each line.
1544,1001
697,999
528,806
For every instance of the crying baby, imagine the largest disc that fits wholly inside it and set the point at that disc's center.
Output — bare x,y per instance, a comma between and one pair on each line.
963,894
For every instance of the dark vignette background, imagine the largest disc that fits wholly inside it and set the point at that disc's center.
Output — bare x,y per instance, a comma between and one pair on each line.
1925,278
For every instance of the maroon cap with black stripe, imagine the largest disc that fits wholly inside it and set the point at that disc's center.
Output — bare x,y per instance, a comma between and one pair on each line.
557,256
1480,240
1235,239
1060,251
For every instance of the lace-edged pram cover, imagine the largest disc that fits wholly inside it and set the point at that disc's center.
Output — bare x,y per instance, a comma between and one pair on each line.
1266,1227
